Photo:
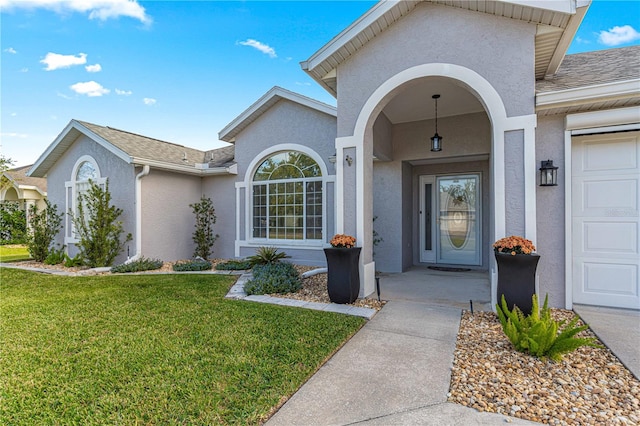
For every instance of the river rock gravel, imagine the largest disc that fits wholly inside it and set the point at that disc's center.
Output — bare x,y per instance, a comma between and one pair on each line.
587,387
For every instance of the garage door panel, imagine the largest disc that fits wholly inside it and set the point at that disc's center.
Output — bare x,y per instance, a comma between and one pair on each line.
606,220
610,237
609,156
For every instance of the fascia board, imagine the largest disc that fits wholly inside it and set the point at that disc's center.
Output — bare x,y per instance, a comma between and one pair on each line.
567,37
276,93
190,170
41,167
580,95
369,17
607,118
562,6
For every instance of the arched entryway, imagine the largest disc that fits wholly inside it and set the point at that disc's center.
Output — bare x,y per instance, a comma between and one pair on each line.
477,105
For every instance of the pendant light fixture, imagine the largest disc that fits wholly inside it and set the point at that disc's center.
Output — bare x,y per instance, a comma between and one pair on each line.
436,140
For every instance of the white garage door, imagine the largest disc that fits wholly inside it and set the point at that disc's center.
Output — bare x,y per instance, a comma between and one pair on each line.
605,220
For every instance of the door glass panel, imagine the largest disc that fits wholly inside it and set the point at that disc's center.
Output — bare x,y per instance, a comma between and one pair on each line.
458,221
427,217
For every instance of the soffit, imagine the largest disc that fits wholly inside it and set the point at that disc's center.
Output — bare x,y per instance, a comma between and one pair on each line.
550,43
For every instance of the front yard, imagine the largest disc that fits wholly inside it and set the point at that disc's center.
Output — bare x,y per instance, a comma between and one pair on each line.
14,253
151,349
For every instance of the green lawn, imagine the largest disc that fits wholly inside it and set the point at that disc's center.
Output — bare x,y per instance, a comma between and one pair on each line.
151,349
13,253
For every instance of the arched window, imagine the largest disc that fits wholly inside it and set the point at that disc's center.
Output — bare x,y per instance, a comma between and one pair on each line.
287,198
84,172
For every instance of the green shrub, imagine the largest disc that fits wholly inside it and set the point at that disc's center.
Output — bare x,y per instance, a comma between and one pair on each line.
142,264
70,262
13,223
234,265
203,235
97,226
45,225
55,257
280,277
266,255
540,335
192,265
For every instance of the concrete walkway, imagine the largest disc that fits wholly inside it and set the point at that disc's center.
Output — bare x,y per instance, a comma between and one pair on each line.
395,371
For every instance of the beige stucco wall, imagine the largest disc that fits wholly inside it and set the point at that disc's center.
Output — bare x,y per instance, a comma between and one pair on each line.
121,178
499,49
550,212
168,221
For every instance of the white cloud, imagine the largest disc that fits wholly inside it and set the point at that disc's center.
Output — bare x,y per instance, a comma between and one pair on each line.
97,9
149,101
299,83
618,35
10,50
123,92
89,88
93,68
14,135
55,61
25,69
13,114
264,48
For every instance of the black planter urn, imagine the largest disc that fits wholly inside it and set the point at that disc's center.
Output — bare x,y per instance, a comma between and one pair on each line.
343,275
517,279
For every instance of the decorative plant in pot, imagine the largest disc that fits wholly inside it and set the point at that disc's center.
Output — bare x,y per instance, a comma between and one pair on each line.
517,264
343,269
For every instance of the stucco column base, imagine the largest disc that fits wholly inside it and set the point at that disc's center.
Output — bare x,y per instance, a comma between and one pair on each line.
367,279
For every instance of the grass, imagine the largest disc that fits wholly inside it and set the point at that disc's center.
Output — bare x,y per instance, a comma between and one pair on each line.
14,253
151,349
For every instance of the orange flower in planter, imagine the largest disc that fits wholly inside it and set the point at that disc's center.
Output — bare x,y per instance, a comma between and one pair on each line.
343,241
514,245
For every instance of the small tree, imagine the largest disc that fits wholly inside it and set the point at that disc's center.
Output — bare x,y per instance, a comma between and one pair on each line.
44,227
203,235
97,227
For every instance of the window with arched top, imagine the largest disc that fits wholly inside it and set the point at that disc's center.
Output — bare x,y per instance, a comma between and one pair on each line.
84,172
287,198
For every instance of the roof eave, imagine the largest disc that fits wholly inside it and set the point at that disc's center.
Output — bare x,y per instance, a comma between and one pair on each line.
229,132
589,94
567,37
63,141
186,169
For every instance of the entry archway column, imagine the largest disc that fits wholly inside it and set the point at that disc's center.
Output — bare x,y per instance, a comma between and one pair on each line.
354,200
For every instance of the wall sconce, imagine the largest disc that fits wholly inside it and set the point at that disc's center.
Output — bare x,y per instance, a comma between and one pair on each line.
332,158
548,173
349,160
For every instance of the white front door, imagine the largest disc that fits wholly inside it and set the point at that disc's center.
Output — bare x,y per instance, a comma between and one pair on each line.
450,219
605,220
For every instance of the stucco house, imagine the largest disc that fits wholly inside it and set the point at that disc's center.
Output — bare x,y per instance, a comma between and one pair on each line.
25,190
299,171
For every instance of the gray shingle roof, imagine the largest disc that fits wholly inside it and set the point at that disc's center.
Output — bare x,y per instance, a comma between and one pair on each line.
143,147
19,176
594,68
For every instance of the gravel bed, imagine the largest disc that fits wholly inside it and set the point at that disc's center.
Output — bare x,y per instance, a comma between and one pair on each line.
314,289
588,387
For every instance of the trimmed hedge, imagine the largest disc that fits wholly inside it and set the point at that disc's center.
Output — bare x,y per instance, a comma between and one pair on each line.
272,278
234,265
192,265
142,264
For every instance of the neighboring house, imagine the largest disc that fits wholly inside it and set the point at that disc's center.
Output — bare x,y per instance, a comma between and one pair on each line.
22,189
303,171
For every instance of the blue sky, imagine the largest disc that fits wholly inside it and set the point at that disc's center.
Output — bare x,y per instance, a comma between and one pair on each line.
180,71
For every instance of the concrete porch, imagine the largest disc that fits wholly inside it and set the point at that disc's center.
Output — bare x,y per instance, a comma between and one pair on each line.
423,285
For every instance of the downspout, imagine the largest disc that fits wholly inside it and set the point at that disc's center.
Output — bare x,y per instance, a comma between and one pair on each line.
139,176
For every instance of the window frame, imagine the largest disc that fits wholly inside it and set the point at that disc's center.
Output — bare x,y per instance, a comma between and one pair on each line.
244,211
268,184
71,195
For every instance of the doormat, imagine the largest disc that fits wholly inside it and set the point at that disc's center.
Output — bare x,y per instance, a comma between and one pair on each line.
447,269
